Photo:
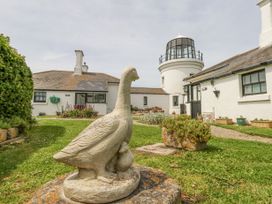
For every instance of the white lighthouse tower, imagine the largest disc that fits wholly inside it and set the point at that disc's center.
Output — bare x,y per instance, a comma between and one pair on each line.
181,60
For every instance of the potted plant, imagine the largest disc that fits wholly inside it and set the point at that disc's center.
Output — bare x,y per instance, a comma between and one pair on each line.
224,121
3,131
241,121
185,133
261,123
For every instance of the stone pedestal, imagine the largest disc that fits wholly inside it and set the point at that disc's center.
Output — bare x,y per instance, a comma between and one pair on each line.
154,188
98,191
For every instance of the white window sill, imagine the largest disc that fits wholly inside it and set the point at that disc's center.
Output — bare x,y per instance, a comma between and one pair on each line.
39,103
254,98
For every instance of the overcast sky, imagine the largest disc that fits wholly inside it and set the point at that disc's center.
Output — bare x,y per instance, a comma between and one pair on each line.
117,33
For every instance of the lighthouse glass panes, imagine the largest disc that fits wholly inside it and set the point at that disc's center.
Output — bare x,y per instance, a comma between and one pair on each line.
180,48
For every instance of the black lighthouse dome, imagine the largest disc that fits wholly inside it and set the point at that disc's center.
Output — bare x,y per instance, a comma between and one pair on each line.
181,47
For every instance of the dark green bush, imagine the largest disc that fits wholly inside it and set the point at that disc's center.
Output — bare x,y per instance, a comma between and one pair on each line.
183,127
4,125
16,86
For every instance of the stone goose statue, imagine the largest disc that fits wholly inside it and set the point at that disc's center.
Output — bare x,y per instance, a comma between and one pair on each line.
102,148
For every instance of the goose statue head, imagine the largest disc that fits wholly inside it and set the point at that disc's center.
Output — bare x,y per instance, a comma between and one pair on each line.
130,74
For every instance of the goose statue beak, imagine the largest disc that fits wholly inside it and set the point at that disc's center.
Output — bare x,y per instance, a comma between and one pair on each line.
136,77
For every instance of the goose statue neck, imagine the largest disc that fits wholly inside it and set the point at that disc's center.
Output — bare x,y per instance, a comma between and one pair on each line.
123,102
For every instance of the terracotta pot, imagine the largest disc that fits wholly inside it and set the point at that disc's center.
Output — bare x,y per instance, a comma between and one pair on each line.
171,141
3,135
13,132
224,121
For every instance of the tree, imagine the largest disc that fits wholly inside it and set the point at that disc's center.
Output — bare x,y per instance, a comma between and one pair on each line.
16,85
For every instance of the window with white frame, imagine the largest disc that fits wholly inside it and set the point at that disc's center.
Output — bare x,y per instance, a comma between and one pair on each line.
39,97
254,83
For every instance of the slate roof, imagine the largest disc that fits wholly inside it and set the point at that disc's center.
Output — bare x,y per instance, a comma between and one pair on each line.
146,90
67,81
241,62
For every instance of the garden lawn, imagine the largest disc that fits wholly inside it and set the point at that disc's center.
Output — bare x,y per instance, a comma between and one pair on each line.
229,171
263,132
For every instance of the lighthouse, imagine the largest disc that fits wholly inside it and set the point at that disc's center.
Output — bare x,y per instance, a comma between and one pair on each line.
180,60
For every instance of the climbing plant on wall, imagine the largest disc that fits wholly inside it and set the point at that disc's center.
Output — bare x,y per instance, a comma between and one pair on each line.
16,85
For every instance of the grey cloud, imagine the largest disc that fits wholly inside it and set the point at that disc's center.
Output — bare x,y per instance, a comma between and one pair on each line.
117,33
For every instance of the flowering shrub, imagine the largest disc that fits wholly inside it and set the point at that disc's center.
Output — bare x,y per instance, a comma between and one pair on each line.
152,118
80,111
183,127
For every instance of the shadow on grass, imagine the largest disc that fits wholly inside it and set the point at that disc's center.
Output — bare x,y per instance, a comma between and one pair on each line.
212,148
39,137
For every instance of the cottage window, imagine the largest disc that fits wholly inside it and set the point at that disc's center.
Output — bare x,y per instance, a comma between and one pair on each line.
145,100
39,97
254,83
175,100
96,98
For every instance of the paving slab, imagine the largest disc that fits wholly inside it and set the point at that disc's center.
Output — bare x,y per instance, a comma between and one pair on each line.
159,148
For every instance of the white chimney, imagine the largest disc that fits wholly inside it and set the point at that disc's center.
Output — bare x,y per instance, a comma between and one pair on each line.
266,17
85,67
79,60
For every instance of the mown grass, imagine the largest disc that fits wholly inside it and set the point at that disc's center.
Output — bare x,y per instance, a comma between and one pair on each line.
229,171
263,132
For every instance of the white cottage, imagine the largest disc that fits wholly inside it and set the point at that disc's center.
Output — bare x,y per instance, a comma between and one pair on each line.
80,87
239,86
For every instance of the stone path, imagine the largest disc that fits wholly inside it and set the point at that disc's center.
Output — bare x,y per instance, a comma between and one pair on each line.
232,134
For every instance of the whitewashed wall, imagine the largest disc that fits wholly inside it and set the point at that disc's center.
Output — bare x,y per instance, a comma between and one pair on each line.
66,98
161,101
231,103
101,108
111,97
176,109
174,71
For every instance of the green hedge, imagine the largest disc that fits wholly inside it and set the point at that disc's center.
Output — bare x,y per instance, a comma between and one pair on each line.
16,85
